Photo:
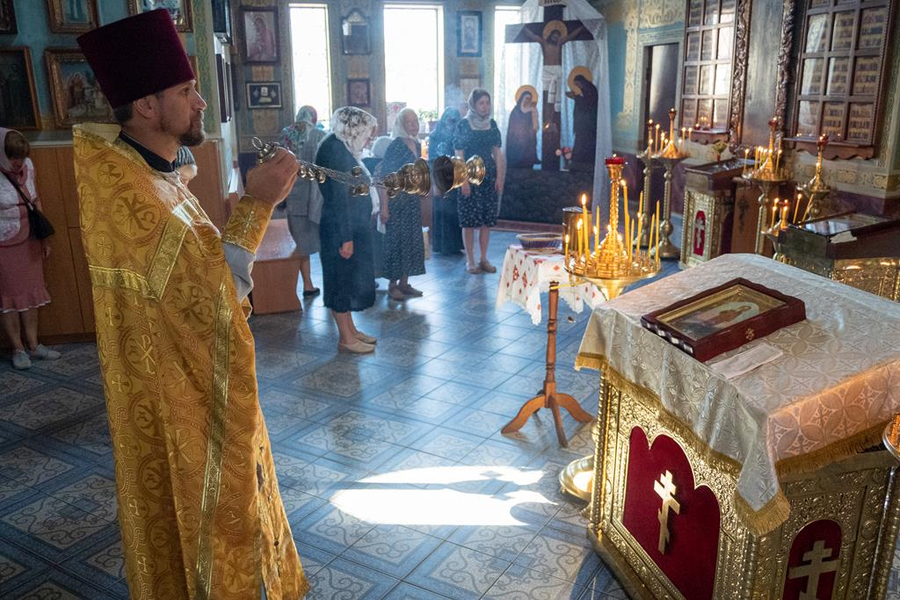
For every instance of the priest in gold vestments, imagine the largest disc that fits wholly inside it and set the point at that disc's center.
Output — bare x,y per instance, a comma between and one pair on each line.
198,502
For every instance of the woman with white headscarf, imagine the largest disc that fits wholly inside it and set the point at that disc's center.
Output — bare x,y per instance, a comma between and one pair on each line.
345,229
404,247
304,202
478,134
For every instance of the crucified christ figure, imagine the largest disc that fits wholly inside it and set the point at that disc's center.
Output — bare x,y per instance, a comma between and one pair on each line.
555,35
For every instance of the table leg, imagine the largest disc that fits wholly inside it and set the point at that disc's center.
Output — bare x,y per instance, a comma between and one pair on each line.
548,397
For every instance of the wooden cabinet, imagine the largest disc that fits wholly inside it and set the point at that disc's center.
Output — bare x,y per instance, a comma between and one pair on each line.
70,314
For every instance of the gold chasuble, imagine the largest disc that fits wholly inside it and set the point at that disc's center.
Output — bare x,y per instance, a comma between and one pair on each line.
199,507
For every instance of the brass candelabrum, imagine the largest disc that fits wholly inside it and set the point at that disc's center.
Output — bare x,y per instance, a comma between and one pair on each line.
672,151
413,178
612,265
767,171
816,190
643,218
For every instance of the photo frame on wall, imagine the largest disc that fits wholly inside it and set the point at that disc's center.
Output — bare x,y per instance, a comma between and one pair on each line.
468,33
7,17
179,9
72,16
260,35
74,89
223,74
355,34
221,18
18,101
263,94
358,93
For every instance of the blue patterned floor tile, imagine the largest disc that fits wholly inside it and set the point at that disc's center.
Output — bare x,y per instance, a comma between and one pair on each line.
52,528
408,467
297,504
321,477
504,542
362,424
49,408
561,555
519,583
476,422
457,572
454,392
32,467
92,491
57,585
344,579
289,401
312,558
357,451
331,528
90,436
18,566
392,549
102,564
12,492
447,443
498,454
406,591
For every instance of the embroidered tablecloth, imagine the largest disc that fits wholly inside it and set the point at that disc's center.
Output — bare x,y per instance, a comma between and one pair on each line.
526,274
827,397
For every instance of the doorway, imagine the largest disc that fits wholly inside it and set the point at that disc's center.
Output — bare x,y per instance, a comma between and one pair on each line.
660,94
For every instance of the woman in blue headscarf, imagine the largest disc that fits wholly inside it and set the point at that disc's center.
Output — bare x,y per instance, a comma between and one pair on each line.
446,234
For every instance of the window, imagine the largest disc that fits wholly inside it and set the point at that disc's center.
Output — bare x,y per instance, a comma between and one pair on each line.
414,58
841,67
311,59
505,88
708,50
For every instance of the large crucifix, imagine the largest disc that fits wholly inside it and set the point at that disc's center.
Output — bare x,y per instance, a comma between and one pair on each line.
552,34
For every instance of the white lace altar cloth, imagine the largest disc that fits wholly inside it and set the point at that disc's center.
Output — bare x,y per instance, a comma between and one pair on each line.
526,274
828,396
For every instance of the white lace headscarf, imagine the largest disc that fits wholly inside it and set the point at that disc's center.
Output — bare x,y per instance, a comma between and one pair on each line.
354,127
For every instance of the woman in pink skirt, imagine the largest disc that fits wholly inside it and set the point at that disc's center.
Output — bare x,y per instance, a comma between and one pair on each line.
22,288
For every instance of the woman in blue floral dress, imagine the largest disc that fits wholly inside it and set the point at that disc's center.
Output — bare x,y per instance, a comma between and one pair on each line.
479,205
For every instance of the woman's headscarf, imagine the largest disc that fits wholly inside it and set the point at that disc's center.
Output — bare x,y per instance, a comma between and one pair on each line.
21,174
399,130
446,127
295,135
380,146
354,127
476,121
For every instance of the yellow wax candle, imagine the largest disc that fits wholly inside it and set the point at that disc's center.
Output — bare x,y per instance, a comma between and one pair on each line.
774,210
641,204
657,136
784,214
640,227
653,235
579,251
778,161
566,248
796,208
597,219
625,187
596,238
628,230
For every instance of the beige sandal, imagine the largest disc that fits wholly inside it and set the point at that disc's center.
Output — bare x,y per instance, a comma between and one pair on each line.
357,347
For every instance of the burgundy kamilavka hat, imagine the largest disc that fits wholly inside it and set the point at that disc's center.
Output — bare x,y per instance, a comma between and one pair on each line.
136,57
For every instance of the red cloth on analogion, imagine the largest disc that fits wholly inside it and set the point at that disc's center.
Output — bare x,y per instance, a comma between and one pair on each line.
137,56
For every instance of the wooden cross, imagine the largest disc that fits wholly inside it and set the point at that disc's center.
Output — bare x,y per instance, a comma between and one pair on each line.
552,34
817,567
665,489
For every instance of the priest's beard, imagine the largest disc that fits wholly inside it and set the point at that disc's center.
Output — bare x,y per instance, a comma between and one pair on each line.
194,136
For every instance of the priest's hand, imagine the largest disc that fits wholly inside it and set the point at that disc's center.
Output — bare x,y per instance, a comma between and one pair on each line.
346,250
273,180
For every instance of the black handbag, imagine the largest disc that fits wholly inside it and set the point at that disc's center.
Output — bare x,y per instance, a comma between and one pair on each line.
40,225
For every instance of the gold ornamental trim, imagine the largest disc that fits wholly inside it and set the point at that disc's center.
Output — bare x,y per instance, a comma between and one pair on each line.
213,475
247,224
824,456
589,360
119,279
163,261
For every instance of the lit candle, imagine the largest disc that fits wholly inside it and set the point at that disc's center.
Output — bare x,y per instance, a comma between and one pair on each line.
778,161
657,136
566,248
587,223
654,234
690,131
746,158
596,238
640,224
784,214
774,210
796,207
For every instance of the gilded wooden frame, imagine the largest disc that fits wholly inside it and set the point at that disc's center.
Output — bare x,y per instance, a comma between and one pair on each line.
58,24
25,52
184,25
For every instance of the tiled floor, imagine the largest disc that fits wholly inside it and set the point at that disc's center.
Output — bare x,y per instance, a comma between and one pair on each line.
395,477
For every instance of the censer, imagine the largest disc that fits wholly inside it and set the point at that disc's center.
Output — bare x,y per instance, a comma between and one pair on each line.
413,178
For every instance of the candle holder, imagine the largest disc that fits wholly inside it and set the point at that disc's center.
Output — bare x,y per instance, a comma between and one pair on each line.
816,190
767,171
645,157
612,266
670,155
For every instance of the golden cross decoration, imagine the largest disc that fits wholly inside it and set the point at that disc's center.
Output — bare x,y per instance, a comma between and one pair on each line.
665,489
817,567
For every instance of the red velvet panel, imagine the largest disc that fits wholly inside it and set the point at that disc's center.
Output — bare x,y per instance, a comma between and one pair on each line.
690,558
824,530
